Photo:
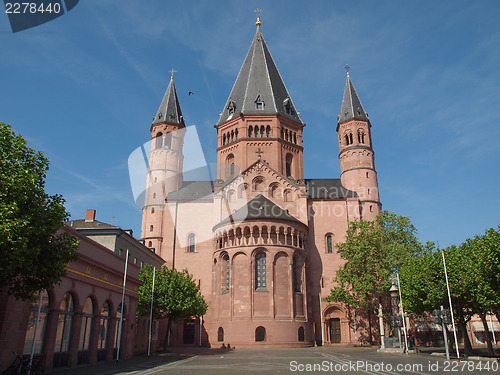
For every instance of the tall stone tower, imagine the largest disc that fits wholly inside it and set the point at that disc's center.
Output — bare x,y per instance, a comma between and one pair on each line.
357,159
165,167
259,119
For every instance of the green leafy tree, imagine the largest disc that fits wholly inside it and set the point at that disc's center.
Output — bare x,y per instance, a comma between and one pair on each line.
372,251
34,257
474,278
176,295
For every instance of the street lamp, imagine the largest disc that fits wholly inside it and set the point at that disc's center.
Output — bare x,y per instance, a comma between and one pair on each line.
396,320
443,317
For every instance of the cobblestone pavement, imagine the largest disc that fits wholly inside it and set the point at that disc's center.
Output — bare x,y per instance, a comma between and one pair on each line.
319,360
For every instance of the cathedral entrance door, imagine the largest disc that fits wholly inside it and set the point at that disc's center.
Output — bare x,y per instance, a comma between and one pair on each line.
188,334
335,336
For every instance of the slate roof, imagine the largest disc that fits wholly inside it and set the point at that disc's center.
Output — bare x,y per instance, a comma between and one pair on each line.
351,105
259,208
259,80
170,109
193,190
320,188
80,224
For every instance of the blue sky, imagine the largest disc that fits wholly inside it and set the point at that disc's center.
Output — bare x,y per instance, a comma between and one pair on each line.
84,88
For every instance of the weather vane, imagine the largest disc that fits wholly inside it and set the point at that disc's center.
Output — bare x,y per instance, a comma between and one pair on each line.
258,11
172,71
347,67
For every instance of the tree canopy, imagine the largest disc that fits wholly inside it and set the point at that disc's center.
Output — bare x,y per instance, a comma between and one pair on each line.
34,257
176,295
474,277
372,251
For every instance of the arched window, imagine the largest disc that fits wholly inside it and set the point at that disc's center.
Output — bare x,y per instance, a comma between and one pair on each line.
257,184
229,167
367,174
260,271
329,243
86,331
301,334
288,165
191,242
286,135
232,135
223,139
150,244
350,138
64,323
262,129
256,131
273,190
158,140
268,131
347,140
231,196
150,228
42,325
282,134
102,340
250,131
287,195
260,334
295,138
236,135
168,140
220,334
226,265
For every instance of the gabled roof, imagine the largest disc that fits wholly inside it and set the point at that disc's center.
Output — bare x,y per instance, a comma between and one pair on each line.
259,88
321,188
259,208
351,105
170,109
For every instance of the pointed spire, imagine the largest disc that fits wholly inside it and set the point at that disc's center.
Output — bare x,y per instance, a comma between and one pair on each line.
351,105
170,109
259,88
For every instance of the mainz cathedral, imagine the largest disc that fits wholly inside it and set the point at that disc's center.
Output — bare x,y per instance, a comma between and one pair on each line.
260,239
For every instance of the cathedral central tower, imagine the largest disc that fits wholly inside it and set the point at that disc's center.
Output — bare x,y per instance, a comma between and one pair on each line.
259,120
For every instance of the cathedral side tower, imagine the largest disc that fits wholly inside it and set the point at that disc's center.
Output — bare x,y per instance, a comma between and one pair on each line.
165,166
259,119
357,159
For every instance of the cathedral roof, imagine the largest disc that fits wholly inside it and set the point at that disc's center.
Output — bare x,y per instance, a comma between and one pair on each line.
259,208
321,188
259,88
351,105
193,190
170,109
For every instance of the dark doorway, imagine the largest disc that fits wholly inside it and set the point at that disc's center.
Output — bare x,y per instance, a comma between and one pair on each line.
335,335
188,336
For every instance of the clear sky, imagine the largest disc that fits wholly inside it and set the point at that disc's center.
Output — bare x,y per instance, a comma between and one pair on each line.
84,89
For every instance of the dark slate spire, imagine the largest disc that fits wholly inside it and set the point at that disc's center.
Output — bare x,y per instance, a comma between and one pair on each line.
351,105
259,88
170,109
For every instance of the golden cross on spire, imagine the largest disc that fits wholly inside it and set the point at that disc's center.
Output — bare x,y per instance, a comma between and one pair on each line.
172,71
258,11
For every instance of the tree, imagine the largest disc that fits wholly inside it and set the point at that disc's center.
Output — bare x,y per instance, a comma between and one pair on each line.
474,279
372,251
176,295
34,257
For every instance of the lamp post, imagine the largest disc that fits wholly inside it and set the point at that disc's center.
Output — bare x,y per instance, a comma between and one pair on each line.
443,317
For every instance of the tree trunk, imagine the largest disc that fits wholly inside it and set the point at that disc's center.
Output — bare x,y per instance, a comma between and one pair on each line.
370,324
482,315
463,328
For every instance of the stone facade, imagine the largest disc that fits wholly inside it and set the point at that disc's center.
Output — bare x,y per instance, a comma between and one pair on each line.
260,239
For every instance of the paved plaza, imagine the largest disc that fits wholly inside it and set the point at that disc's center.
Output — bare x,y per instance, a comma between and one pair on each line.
319,360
